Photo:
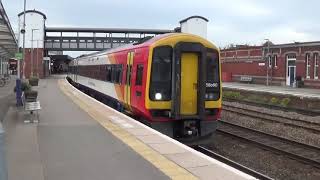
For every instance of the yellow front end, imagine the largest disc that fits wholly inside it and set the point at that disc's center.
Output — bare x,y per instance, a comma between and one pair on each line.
189,75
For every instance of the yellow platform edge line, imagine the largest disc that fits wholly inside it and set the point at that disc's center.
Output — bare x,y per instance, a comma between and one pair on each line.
168,167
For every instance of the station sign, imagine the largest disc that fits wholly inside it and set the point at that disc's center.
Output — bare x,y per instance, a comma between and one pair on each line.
18,56
262,64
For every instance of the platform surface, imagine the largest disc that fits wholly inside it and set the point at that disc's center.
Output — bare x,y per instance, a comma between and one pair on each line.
80,138
7,89
7,97
68,145
299,92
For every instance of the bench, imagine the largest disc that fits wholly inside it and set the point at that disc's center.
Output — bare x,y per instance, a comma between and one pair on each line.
31,104
246,79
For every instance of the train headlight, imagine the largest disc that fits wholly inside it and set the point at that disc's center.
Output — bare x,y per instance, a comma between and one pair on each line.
210,96
158,96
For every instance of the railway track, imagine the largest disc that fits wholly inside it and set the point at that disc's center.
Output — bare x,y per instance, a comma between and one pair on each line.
295,150
232,163
275,107
288,121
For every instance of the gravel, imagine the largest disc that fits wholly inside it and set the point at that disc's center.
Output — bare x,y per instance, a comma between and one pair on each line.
278,129
266,162
315,119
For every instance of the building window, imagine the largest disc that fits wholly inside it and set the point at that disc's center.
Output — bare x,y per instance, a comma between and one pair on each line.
269,61
291,57
275,59
308,67
316,66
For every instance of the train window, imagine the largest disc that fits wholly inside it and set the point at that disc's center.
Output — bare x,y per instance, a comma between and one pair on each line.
114,73
160,82
108,73
139,74
213,78
118,74
212,67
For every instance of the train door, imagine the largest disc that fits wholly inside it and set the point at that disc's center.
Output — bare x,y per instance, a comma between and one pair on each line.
189,83
127,89
137,82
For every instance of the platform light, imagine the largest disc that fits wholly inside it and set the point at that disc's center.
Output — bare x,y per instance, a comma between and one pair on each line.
158,96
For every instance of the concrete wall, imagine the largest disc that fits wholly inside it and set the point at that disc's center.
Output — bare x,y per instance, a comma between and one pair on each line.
197,26
33,21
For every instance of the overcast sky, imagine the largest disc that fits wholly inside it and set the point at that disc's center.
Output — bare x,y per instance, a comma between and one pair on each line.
230,21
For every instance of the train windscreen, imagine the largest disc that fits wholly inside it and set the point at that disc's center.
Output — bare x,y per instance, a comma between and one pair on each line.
213,78
160,82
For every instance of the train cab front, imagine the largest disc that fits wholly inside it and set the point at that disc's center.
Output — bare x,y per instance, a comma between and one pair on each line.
184,91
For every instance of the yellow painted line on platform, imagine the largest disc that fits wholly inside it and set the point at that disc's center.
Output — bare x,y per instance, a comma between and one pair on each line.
101,113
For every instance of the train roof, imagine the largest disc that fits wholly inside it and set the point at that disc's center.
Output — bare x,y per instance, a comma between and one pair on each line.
147,43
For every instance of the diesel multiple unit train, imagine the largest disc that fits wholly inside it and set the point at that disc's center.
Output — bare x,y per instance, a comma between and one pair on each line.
170,82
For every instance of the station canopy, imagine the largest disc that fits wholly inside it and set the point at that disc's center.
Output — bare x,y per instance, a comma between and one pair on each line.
8,41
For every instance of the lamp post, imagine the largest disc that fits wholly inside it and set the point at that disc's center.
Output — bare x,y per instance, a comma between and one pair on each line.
32,30
18,81
267,61
37,64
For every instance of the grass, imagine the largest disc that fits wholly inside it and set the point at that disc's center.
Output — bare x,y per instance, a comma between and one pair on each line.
234,95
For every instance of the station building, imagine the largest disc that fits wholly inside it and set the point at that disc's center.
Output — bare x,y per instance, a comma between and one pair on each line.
34,63
293,64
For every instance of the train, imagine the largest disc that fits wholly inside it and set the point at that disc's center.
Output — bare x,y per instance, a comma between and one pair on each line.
170,82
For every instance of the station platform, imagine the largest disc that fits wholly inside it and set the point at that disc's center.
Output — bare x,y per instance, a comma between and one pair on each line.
281,90
7,97
7,89
79,138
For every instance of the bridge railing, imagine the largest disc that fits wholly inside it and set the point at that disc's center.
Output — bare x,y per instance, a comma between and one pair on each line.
86,43
94,39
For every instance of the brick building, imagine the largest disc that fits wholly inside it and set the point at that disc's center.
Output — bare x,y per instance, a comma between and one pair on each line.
284,64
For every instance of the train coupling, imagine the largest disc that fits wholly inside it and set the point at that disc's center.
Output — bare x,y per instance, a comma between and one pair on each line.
190,128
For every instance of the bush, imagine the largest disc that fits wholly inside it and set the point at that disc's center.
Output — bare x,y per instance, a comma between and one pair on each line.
257,98
284,102
33,78
232,95
33,81
25,86
274,101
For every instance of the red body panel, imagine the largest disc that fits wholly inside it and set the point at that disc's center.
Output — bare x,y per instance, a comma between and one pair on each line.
141,54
